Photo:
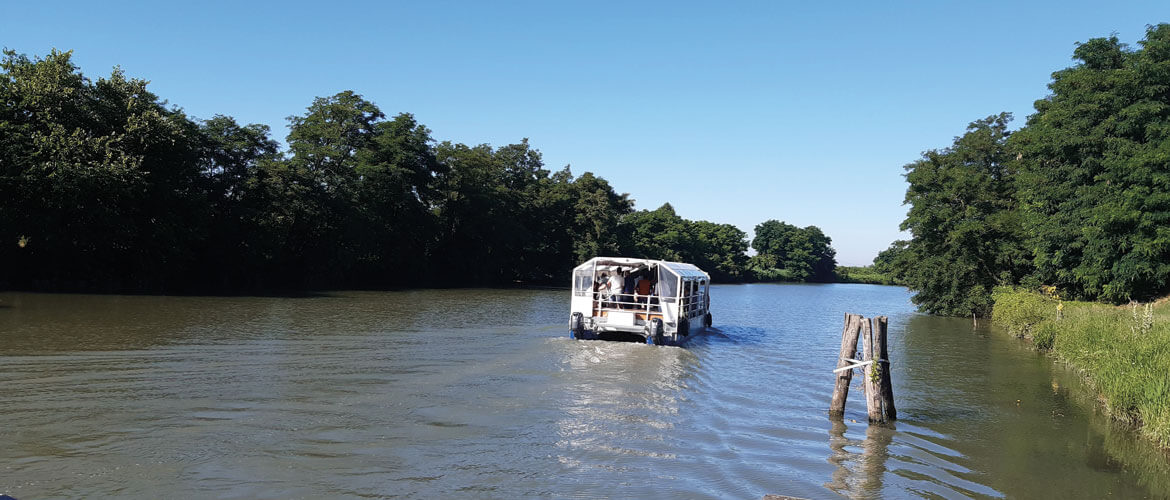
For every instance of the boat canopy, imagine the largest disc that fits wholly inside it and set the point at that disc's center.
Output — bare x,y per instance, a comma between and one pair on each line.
679,269
684,270
670,274
610,263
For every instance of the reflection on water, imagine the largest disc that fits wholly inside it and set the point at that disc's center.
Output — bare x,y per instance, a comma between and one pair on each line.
607,418
481,394
861,464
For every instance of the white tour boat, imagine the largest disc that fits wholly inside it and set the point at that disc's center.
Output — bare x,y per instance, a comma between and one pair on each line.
655,301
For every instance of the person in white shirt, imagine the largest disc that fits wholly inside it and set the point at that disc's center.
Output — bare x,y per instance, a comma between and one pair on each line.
615,286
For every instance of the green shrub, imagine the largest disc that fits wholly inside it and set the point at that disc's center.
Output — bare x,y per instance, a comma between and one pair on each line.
1044,335
1019,311
862,274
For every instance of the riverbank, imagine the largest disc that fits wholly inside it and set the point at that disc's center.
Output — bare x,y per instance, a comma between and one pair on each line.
1124,351
864,274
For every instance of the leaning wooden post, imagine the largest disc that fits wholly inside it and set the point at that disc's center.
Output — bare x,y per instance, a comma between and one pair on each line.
848,351
871,382
880,323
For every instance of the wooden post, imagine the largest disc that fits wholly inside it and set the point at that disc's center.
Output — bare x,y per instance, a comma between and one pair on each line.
880,323
844,377
873,396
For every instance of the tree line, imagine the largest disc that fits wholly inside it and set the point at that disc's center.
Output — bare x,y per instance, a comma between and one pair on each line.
104,187
1077,199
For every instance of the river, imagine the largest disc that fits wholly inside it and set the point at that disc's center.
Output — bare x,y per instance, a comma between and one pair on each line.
481,394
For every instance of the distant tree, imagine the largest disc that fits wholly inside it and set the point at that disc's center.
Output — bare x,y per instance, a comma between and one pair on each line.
721,249
894,262
503,217
478,227
535,239
233,159
231,154
965,223
328,145
394,224
663,234
788,252
657,234
1095,171
332,138
598,210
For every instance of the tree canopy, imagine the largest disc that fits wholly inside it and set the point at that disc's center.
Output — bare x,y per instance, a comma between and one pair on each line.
789,252
1095,172
104,187
1077,199
663,234
964,220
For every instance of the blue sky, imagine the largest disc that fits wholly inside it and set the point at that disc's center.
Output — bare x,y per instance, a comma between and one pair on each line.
733,112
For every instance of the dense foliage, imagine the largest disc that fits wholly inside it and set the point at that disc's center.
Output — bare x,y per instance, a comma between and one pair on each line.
864,274
103,187
787,252
964,220
893,262
1095,172
100,182
662,234
1079,198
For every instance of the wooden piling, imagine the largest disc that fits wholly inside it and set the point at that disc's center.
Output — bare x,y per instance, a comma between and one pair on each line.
872,382
844,377
874,361
887,389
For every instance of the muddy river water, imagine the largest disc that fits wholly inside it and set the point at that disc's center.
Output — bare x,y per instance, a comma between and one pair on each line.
481,394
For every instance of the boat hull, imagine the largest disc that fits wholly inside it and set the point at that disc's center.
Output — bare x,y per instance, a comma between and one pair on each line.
641,335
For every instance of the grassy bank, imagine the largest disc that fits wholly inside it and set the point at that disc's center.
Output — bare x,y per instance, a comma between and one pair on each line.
1124,351
863,274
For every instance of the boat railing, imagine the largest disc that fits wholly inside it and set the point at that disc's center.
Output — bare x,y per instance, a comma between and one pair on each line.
690,303
626,302
605,301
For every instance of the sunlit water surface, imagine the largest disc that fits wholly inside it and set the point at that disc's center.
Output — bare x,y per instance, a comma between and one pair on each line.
481,394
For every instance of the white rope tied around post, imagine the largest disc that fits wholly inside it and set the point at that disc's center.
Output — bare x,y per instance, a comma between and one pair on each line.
858,364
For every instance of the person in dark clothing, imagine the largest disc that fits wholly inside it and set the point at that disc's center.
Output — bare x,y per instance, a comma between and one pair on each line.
599,290
627,289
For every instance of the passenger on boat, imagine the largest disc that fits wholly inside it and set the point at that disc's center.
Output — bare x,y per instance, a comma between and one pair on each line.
628,290
615,288
601,289
642,288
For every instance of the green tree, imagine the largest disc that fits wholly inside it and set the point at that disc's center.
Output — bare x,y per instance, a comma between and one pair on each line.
332,138
597,212
491,214
894,262
394,225
100,177
104,187
663,234
965,223
232,158
784,251
1094,171
657,234
358,201
571,220
721,249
